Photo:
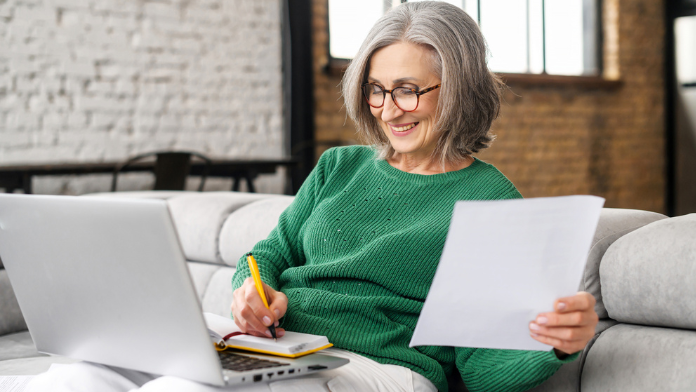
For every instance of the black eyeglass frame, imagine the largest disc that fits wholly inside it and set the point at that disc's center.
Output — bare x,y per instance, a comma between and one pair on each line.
391,92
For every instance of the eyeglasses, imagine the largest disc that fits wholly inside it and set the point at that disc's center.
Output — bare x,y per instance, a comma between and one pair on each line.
404,98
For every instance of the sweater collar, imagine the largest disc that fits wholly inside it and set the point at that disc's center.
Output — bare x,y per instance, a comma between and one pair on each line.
392,172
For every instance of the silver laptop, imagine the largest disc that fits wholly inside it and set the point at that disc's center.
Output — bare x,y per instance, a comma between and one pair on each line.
105,280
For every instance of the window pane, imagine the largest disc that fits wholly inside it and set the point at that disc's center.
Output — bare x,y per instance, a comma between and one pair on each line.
350,21
536,37
458,3
685,43
504,25
564,50
471,8
513,47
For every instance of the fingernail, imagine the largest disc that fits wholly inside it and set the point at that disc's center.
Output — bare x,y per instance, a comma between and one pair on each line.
561,306
542,320
280,333
535,334
533,326
266,320
277,312
268,333
276,324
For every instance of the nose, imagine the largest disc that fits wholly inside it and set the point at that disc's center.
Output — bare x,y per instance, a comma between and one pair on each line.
390,111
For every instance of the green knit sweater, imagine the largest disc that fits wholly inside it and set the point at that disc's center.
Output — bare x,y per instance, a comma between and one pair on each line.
356,252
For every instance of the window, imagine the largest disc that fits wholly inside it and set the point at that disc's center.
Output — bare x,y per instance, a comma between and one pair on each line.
557,37
685,53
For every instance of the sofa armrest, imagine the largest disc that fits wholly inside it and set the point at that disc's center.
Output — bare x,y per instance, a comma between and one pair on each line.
11,319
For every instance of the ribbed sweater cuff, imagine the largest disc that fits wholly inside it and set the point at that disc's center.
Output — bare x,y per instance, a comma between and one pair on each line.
266,271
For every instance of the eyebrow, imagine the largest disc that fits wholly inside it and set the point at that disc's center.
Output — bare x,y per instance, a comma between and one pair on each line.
397,81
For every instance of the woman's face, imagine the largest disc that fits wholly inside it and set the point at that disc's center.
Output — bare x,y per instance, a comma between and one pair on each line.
406,65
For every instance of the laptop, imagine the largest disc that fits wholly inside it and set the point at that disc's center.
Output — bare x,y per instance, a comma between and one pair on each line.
106,281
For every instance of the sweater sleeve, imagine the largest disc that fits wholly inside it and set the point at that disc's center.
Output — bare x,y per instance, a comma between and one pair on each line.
283,247
484,369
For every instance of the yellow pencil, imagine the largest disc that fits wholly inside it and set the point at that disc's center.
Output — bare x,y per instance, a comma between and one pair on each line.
254,268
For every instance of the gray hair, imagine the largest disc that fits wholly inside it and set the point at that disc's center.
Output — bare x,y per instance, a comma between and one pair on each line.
470,94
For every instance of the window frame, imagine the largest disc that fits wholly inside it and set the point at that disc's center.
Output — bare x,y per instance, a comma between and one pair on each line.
593,55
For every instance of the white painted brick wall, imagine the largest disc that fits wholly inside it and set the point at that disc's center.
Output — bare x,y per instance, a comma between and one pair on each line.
101,80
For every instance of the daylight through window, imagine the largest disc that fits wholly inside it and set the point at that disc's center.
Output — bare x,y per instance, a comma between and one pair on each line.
557,37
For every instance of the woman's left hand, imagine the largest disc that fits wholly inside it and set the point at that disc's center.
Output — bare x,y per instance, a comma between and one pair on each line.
569,327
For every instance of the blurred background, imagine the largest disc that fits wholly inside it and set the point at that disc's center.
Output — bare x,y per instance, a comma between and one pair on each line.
601,97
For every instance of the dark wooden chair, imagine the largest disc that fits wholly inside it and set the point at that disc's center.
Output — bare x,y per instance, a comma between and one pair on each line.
171,169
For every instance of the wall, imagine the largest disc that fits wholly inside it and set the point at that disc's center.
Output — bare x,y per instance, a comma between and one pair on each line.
101,80
566,139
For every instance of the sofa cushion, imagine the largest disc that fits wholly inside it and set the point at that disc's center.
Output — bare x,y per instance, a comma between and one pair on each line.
249,225
613,223
649,276
637,358
198,218
31,366
201,273
17,345
218,294
567,378
11,319
164,195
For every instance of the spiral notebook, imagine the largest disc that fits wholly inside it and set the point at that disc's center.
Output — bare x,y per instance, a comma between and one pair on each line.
226,334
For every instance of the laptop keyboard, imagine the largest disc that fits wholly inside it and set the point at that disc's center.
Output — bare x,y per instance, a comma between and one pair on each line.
241,363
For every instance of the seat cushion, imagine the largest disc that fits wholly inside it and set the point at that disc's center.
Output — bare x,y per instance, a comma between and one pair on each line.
567,378
11,319
201,273
637,358
17,345
30,366
218,294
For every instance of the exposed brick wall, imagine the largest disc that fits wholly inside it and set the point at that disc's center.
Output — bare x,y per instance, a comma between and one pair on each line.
102,80
330,117
563,140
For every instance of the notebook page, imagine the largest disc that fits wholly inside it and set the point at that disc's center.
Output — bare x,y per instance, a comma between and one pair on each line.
290,343
220,325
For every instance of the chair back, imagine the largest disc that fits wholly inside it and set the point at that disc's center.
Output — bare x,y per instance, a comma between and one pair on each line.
171,169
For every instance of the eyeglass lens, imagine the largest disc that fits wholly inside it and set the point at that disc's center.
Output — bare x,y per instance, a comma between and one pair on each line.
405,98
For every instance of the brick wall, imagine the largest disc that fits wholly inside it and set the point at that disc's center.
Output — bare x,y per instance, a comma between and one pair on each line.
102,80
561,140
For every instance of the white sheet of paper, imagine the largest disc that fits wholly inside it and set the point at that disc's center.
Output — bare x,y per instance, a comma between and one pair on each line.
503,263
14,383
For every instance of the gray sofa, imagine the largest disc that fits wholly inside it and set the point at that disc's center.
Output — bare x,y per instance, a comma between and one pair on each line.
641,269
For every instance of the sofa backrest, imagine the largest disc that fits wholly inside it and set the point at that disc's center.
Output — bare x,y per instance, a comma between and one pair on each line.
613,223
210,224
648,283
649,276
248,225
199,218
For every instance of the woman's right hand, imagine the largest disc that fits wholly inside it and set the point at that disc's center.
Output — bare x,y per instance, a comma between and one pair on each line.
251,315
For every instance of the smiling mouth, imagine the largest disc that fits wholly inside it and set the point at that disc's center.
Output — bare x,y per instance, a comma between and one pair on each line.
404,128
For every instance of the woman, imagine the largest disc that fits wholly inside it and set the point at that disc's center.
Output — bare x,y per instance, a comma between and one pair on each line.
354,255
